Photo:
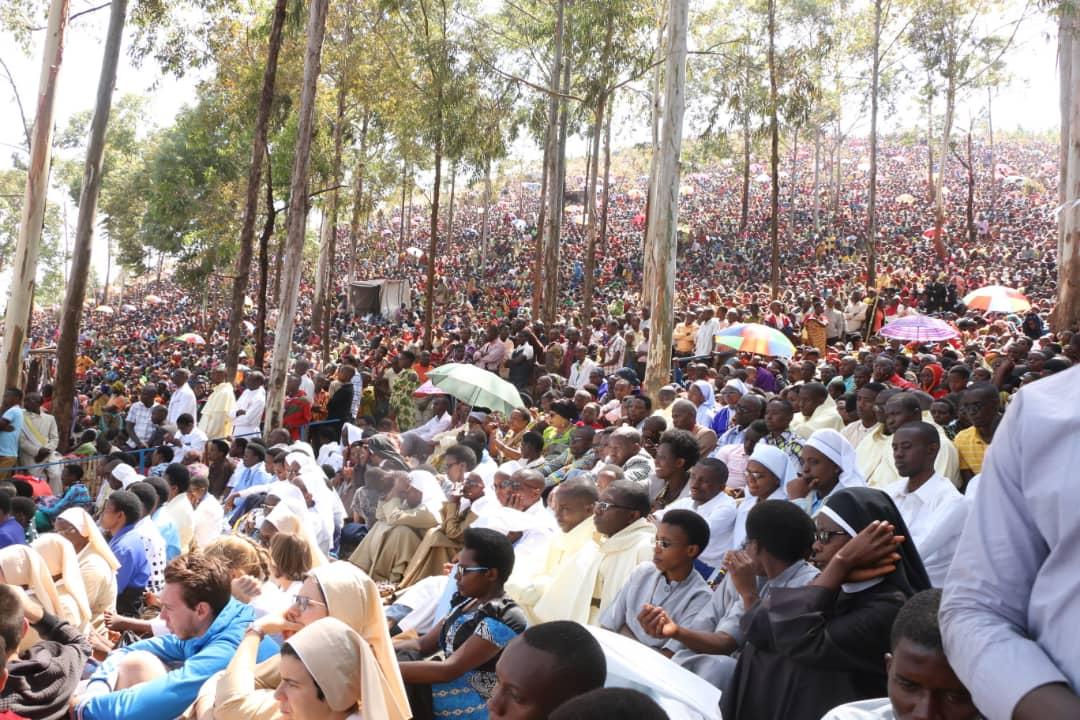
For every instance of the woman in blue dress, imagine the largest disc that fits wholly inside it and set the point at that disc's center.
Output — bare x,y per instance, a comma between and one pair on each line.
471,637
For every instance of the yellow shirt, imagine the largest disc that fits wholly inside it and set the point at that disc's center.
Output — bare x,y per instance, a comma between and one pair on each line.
971,448
683,336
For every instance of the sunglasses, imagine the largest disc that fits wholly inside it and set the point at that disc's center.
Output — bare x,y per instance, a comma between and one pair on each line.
823,536
467,570
603,506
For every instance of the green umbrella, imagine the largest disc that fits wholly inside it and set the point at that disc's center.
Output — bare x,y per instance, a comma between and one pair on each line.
476,386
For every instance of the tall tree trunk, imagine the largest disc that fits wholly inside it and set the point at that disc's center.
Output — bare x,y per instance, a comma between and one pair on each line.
817,180
486,211
744,211
664,222
943,161
793,180
871,204
251,200
774,159
28,246
401,223
551,250
108,272
279,256
1067,311
930,185
450,209
607,175
590,204
358,197
655,112
298,201
549,232
541,229
993,153
971,188
264,268
319,292
327,300
429,294
71,316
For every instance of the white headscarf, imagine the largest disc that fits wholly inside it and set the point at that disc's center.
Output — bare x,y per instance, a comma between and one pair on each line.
352,433
835,446
85,526
707,409
738,385
286,521
344,667
126,475
21,565
60,558
432,495
778,462
289,495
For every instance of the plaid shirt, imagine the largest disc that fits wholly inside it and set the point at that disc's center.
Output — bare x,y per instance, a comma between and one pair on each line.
138,419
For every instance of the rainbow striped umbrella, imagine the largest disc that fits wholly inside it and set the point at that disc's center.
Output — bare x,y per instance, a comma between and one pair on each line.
756,338
919,328
997,298
191,339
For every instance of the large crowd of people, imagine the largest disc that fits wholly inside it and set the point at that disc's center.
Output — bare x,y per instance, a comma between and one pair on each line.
860,528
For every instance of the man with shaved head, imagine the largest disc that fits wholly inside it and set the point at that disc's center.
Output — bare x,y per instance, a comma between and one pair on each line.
816,411
874,455
932,507
981,405
624,450
573,503
620,515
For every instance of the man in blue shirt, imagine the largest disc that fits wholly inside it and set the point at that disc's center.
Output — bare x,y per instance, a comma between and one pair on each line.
122,510
161,677
11,424
247,480
11,532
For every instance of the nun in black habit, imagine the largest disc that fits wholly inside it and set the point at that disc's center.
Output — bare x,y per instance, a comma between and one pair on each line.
808,649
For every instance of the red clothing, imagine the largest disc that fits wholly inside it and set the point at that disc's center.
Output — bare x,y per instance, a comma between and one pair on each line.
897,381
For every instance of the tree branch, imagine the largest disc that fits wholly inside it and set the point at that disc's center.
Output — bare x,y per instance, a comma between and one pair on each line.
324,190
18,101
74,16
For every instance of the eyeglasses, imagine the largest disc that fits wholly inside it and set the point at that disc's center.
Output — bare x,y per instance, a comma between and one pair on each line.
466,570
509,485
602,507
823,536
303,602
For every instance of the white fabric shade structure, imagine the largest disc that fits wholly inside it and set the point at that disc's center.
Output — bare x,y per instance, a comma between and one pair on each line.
681,693
382,297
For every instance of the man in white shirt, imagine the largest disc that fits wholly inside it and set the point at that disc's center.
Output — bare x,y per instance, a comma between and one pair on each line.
209,516
418,442
708,478
249,408
183,398
581,368
854,314
188,436
705,340
300,369
932,507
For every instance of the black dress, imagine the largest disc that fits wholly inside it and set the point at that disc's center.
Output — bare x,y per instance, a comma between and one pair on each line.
809,649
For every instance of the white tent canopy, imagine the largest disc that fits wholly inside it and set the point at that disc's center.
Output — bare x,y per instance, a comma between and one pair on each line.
384,297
